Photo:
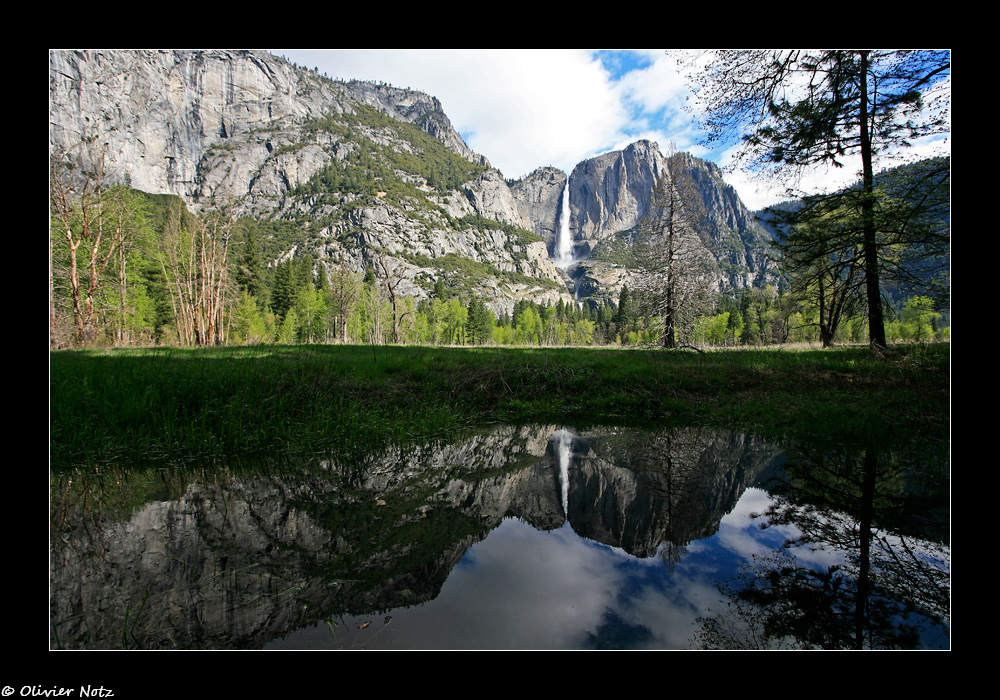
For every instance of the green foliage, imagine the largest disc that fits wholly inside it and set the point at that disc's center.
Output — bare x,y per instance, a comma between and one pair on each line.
863,102
481,322
250,264
618,249
466,274
517,235
918,322
371,167
224,403
290,301
248,325
821,244
283,288
105,276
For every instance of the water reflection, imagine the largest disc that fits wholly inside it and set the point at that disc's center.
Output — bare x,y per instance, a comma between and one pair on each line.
517,537
867,563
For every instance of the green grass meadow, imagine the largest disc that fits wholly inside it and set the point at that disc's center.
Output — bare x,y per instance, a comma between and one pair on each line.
173,405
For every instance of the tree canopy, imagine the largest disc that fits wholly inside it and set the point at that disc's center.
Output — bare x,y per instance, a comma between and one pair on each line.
797,108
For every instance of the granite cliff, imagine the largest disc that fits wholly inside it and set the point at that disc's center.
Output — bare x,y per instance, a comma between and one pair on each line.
364,171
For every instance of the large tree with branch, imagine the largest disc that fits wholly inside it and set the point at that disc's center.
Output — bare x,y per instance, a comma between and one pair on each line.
194,259
821,243
94,231
824,263
798,108
679,275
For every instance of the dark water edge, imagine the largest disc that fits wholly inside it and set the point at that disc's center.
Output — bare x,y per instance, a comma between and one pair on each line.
523,537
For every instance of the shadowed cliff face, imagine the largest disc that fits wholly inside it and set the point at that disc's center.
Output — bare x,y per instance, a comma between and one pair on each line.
231,559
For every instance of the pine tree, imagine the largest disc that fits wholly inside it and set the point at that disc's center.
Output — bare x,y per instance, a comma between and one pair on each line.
798,108
481,322
250,267
679,273
282,289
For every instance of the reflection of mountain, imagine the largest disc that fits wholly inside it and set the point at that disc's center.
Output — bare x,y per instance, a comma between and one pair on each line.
234,560
636,490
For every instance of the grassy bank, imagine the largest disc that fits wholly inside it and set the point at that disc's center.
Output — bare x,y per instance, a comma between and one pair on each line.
176,404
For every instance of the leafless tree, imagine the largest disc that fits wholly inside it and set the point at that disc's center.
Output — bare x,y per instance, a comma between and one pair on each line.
678,273
195,262
391,277
345,287
94,223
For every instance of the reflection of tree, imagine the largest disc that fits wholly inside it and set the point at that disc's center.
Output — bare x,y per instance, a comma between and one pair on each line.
891,585
671,554
782,604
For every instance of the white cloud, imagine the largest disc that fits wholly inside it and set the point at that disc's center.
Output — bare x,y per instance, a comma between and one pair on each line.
521,108
527,108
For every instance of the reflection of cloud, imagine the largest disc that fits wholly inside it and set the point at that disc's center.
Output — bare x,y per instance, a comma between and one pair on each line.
546,599
525,589
740,531
753,502
521,588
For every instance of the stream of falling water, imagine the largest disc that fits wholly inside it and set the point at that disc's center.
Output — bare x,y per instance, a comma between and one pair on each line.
563,444
564,242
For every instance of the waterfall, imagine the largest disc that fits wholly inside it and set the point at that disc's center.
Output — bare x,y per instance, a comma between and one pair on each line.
564,240
562,442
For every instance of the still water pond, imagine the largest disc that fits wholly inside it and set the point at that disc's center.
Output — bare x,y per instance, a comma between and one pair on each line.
529,537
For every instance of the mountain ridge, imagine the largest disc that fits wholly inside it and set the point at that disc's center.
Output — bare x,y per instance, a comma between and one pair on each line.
350,165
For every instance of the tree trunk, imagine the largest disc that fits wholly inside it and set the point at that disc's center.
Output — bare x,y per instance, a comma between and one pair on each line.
876,324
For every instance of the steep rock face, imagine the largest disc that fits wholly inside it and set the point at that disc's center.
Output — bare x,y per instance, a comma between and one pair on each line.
488,192
416,108
730,230
538,197
155,114
189,122
246,127
222,125
609,196
613,191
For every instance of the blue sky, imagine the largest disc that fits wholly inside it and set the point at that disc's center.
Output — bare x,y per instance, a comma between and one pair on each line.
527,108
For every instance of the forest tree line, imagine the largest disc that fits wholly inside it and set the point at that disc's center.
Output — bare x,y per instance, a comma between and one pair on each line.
131,269
870,260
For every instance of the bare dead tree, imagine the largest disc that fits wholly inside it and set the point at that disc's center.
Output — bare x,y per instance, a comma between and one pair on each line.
391,279
128,229
195,262
80,205
678,273
344,290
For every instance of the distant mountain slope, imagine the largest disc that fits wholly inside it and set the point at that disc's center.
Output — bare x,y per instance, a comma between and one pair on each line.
357,172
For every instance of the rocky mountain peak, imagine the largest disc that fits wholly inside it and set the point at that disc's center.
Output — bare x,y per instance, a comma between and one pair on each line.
364,169
161,118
